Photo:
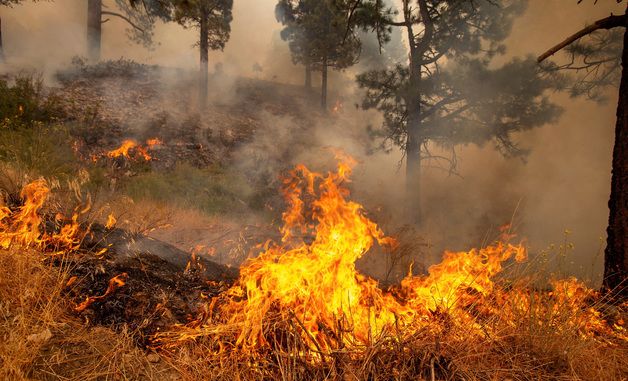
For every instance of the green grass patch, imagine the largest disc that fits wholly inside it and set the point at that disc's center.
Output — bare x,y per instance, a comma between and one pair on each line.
212,190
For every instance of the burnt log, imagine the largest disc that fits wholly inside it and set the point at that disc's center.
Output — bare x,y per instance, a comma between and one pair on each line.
123,245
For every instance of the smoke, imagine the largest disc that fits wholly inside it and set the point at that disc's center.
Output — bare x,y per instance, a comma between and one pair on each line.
564,183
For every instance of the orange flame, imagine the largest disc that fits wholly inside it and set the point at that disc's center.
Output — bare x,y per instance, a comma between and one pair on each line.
123,150
111,221
130,145
310,278
22,228
337,107
114,283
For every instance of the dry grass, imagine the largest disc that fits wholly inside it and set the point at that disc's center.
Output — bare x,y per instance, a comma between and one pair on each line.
523,352
42,340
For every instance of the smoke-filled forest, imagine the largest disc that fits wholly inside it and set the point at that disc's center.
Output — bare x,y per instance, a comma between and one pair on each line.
313,190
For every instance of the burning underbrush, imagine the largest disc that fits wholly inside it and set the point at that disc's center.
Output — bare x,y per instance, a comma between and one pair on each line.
301,307
300,310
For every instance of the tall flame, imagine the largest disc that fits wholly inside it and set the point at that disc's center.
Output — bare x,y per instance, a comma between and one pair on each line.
310,278
311,275
22,228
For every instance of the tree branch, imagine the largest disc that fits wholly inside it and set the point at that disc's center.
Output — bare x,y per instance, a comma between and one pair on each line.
605,23
123,17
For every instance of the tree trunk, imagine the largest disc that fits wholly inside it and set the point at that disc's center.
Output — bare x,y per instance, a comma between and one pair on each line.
414,138
308,76
324,84
94,29
204,47
615,258
1,46
413,165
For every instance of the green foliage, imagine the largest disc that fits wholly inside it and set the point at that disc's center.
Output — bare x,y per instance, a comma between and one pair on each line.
10,3
24,102
593,64
318,32
39,150
188,13
212,190
451,93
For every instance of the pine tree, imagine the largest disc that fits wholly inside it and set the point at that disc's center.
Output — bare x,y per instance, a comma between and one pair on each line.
596,62
320,35
213,20
139,15
447,94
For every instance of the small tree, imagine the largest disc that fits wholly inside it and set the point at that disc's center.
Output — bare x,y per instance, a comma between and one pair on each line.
213,20
291,14
446,94
597,63
140,16
321,36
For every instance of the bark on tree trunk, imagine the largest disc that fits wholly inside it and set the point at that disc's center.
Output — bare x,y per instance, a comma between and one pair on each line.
94,29
414,138
414,141
1,46
324,84
615,255
413,173
204,47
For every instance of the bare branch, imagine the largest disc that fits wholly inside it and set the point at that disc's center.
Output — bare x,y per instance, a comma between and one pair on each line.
123,17
605,23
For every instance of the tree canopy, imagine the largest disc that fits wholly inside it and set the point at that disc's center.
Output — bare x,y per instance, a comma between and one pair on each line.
450,91
190,13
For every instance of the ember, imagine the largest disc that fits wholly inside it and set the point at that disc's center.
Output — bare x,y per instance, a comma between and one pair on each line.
114,283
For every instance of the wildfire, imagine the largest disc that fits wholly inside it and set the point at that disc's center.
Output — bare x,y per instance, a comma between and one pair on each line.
130,146
337,107
310,278
123,150
111,221
22,227
114,283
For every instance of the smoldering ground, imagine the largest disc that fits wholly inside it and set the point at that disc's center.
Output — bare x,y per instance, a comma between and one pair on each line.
562,185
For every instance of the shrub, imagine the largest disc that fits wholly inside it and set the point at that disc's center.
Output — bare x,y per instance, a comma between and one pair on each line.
24,103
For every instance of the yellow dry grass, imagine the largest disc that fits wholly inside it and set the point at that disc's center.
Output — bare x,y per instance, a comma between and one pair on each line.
41,339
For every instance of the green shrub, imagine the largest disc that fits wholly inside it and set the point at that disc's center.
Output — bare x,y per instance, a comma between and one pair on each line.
38,151
24,102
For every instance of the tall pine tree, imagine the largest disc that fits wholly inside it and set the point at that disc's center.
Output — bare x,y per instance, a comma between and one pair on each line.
320,36
447,94
213,19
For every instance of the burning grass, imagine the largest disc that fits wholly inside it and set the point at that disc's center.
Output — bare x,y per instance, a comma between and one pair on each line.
43,339
301,310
